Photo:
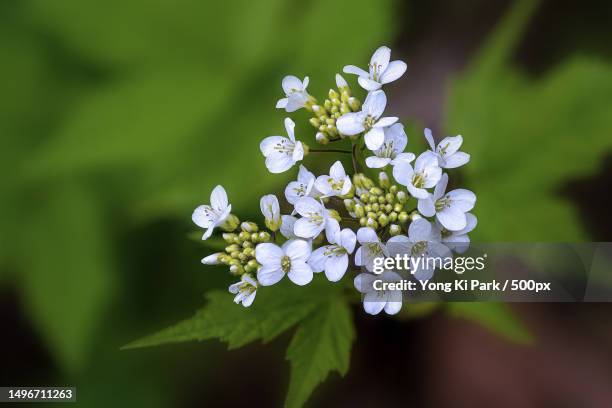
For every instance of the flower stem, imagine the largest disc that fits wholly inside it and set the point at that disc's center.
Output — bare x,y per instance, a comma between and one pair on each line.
329,151
354,157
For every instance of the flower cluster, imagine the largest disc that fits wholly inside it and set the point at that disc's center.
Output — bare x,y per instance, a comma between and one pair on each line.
342,220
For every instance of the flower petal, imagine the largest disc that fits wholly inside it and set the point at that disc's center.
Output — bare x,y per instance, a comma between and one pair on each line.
394,70
394,302
374,162
279,163
363,282
337,170
248,301
419,230
317,259
350,123
381,58
374,138
300,273
269,275
386,121
335,267
375,104
368,84
403,172
304,228
456,160
307,205
452,218
430,139
203,216
218,199
449,145
290,128
268,254
396,134
287,226
462,199
426,206
291,84
348,240
282,103
374,302
297,249
367,235
352,69
440,188
267,145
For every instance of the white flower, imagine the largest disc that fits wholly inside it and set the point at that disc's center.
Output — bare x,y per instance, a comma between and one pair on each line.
458,241
381,70
271,211
314,218
336,184
213,215
290,260
449,208
212,259
447,151
334,258
296,95
245,290
392,148
368,120
370,249
282,153
423,241
374,300
287,225
303,187
426,174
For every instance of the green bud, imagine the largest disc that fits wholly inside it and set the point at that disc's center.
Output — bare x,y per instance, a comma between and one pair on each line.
363,221
236,269
230,223
346,94
375,207
334,214
393,216
367,208
249,226
252,265
383,180
336,101
394,230
242,257
344,108
403,217
415,216
264,236
365,197
317,109
224,259
359,210
349,204
402,197
315,122
249,252
321,138
235,254
393,189
232,248
247,244
334,109
327,104
371,215
388,208
398,208
333,94
229,237
381,200
273,225
375,191
389,198
383,220
354,104
372,223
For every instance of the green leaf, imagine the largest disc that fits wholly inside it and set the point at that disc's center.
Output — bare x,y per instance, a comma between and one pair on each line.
275,310
497,317
67,279
321,344
529,136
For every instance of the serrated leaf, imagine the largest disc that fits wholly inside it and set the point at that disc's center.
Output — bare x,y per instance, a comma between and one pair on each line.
275,310
497,317
321,344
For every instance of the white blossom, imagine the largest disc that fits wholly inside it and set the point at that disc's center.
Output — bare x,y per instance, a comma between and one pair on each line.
376,301
271,211
447,151
245,290
282,153
213,215
295,92
425,174
287,226
423,241
302,187
381,71
336,184
392,149
368,120
290,260
458,241
449,208
314,217
370,249
334,258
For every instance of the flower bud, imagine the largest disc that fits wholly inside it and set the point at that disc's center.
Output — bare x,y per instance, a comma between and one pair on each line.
249,226
354,104
381,199
344,108
403,217
398,208
383,180
336,101
212,259
230,223
393,189
327,104
393,216
375,191
389,198
383,220
388,208
367,208
230,237
375,207
321,138
232,248
247,244
394,230
225,259
254,237
264,236
349,204
363,221
359,210
334,214
333,95
236,269
415,216
315,122
402,197
248,252
317,109
341,83
372,223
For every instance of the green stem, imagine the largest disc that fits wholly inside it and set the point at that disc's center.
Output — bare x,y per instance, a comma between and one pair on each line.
354,157
329,151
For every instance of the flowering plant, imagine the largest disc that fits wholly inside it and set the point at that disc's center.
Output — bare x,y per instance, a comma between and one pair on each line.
405,204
